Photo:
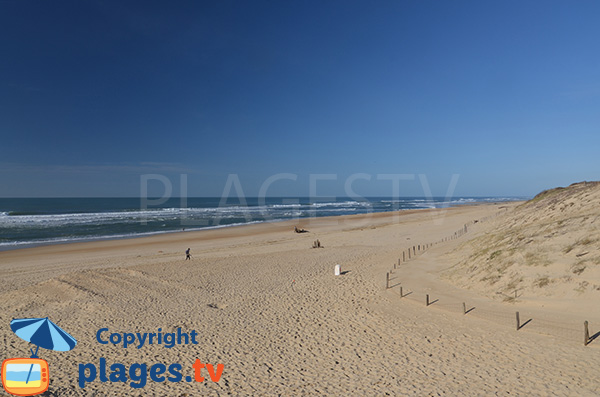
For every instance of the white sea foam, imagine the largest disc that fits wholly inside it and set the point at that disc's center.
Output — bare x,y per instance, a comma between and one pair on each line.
339,210
286,205
64,240
125,216
163,214
29,229
340,204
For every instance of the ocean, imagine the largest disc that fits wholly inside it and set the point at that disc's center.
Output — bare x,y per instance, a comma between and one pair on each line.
26,222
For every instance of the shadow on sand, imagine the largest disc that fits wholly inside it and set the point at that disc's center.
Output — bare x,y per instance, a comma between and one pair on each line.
593,337
525,323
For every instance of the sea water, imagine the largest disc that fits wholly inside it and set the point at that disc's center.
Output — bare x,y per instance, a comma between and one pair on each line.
36,221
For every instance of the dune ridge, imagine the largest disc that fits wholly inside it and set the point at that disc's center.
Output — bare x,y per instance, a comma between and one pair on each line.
545,247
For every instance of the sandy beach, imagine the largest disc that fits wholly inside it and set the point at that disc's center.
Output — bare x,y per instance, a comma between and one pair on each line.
270,309
308,198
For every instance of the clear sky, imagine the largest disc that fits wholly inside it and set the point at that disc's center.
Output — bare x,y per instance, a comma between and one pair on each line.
95,94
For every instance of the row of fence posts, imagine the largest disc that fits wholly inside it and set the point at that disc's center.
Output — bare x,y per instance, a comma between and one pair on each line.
419,248
415,250
519,325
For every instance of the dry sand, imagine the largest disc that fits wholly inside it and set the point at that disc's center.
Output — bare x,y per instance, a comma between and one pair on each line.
269,308
547,248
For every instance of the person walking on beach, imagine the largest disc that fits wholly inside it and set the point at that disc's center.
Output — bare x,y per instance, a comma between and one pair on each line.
188,255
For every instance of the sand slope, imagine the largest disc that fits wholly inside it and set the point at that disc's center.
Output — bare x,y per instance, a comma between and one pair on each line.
547,247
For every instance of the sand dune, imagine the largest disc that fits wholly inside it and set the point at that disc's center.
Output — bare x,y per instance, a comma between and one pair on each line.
547,247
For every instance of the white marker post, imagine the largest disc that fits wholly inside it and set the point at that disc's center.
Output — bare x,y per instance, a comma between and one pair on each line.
337,270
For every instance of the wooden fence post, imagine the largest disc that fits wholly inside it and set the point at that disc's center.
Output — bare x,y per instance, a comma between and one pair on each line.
586,333
518,322
401,296
427,300
464,308
403,256
387,280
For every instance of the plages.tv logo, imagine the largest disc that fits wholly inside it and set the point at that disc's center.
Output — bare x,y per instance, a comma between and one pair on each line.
31,376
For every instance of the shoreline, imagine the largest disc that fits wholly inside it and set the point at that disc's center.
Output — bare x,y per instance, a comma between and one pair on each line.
69,257
31,245
49,261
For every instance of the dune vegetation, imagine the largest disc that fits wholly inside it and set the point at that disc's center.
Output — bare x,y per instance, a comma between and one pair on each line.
547,246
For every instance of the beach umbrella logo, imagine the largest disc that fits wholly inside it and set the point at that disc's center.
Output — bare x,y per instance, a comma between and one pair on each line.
30,376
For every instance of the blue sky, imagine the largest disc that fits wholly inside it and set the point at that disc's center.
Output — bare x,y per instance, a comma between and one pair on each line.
95,94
